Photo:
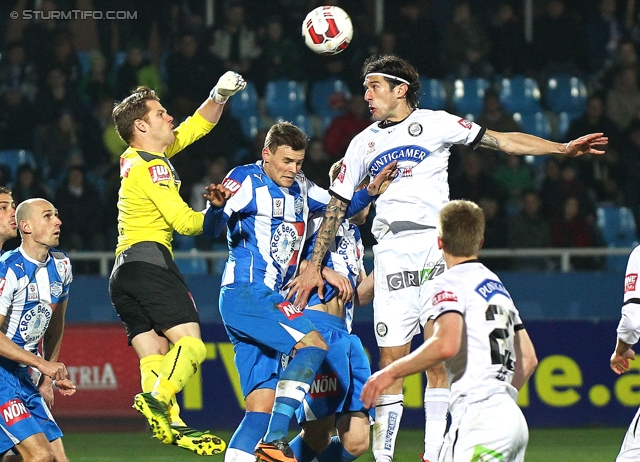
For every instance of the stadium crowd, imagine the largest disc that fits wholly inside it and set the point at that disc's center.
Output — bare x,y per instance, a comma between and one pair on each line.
59,79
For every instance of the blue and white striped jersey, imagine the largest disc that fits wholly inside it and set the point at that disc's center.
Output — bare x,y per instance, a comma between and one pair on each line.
266,225
345,256
30,291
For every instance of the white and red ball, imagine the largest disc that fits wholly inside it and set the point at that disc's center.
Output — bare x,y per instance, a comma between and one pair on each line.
327,30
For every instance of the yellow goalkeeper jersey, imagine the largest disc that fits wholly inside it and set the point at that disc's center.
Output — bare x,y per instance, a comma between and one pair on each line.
149,204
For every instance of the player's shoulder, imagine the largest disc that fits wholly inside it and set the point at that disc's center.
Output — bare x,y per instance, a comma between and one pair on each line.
635,255
59,255
13,260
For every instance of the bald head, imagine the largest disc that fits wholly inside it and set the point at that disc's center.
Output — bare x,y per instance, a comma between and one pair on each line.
31,208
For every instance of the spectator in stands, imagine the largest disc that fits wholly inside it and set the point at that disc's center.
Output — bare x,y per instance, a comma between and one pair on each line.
508,47
494,235
101,144
514,177
557,41
595,120
55,97
280,58
96,84
57,142
473,183
466,44
630,168
317,163
81,209
623,100
17,118
189,68
626,55
602,32
28,185
235,44
494,116
17,71
39,36
64,57
343,128
528,229
573,229
418,37
137,70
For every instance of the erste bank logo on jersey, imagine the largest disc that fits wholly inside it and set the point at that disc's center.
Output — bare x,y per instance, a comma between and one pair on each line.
629,282
285,242
14,411
159,173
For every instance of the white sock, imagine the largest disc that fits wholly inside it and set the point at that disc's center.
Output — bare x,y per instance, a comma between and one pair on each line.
236,455
388,414
436,405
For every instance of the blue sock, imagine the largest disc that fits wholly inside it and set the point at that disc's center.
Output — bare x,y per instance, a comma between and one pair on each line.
302,450
294,384
335,452
250,431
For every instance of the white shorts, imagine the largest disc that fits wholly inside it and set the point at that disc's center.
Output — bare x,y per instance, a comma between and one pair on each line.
630,450
491,427
404,264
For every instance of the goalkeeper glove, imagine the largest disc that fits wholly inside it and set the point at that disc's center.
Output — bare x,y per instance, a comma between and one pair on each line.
229,84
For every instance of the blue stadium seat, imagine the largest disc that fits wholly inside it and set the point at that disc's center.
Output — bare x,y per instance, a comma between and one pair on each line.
250,125
536,123
329,97
618,229
565,93
564,120
14,158
245,102
520,94
468,96
434,96
285,98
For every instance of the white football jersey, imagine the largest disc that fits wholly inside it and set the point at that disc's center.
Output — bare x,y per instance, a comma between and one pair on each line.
420,144
487,354
629,326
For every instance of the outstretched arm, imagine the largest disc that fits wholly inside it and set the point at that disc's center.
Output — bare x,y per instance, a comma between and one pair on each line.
228,85
523,144
310,278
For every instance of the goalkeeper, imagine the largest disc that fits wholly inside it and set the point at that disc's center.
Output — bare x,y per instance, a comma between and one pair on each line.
146,288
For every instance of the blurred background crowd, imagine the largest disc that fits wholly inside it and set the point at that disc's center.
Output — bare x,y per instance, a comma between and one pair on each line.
576,72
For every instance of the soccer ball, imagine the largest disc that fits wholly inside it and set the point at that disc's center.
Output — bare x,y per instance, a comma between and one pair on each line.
327,30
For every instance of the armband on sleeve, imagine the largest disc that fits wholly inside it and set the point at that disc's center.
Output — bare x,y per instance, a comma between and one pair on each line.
358,202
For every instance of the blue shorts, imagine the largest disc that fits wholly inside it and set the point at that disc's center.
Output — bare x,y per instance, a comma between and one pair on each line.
339,381
262,325
23,412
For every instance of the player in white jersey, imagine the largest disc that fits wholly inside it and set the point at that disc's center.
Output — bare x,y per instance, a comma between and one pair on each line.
265,208
406,256
479,335
34,281
628,335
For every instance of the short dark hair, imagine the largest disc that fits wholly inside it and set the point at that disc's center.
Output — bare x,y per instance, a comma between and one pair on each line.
461,228
398,67
285,134
130,109
6,190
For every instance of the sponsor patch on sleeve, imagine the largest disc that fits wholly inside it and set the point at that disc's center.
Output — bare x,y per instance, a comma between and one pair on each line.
466,123
3,282
159,173
629,282
231,184
343,171
444,296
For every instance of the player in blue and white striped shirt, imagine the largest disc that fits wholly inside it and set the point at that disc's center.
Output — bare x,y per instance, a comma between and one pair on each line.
265,207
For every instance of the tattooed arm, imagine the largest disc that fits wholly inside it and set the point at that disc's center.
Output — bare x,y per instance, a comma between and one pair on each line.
523,144
310,277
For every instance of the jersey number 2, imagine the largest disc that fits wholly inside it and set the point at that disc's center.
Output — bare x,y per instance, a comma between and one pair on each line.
498,336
